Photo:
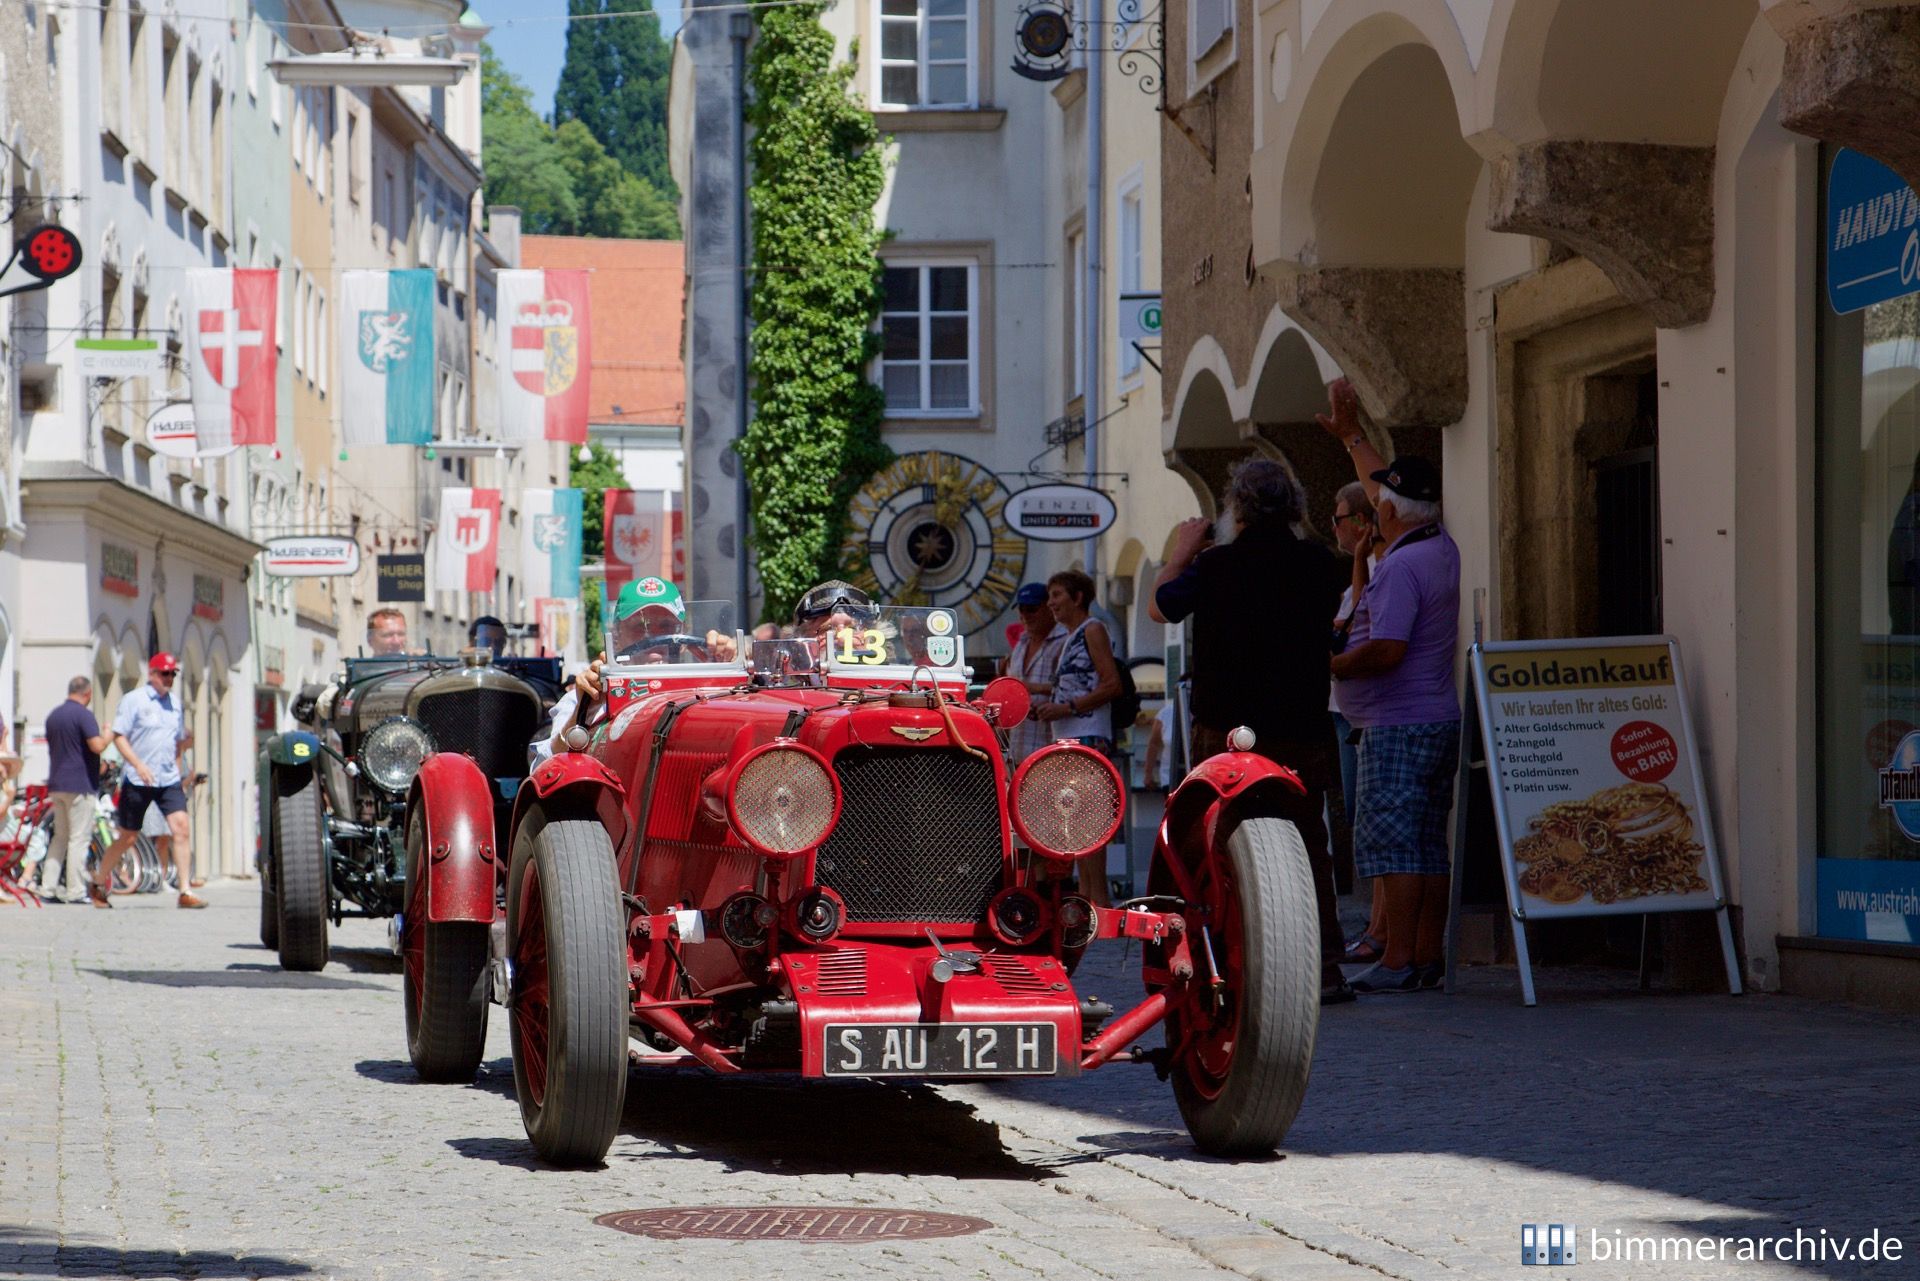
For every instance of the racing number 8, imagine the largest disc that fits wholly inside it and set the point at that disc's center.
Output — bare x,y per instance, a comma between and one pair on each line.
874,653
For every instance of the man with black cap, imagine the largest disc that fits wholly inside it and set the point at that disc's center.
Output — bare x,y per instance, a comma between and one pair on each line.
1034,662
1395,671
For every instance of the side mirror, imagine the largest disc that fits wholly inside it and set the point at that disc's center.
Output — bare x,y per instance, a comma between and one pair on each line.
1005,701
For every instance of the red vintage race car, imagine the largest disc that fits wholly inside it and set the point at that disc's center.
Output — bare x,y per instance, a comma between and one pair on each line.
811,856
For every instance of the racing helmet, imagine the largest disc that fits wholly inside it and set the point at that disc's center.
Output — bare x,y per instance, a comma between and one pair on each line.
830,598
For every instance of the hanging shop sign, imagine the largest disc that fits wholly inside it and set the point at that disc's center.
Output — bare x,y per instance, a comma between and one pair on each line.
119,570
313,556
1060,513
209,597
172,431
402,579
1873,233
1598,797
117,357
1140,318
47,254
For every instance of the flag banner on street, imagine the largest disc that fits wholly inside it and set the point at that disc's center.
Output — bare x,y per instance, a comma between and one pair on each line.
551,542
386,356
642,536
466,543
557,626
543,355
230,318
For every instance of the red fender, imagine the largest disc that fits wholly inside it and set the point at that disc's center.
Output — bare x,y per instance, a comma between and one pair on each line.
455,801
583,778
1222,787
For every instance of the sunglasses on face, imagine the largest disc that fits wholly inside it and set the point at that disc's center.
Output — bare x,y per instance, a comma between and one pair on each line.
166,676
1360,516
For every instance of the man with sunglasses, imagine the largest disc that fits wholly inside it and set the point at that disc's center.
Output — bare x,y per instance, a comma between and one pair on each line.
150,734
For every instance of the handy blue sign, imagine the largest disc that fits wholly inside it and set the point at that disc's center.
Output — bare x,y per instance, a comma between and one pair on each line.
1873,233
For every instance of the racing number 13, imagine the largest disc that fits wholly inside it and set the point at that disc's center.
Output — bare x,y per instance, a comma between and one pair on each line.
874,653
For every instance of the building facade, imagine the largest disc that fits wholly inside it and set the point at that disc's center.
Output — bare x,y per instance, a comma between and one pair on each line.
1576,252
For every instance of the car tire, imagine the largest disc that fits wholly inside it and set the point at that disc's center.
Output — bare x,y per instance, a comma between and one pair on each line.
300,866
445,976
569,1002
1243,1075
269,910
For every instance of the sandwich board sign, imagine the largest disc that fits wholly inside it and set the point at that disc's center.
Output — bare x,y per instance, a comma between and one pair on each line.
1599,802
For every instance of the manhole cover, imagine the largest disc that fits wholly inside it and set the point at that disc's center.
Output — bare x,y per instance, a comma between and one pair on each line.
790,1223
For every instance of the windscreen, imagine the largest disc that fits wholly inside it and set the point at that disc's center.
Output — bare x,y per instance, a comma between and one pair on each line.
685,632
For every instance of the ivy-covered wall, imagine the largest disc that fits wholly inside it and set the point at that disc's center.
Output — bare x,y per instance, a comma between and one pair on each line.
818,171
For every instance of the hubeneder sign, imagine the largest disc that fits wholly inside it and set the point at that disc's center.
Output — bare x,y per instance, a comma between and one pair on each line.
1596,781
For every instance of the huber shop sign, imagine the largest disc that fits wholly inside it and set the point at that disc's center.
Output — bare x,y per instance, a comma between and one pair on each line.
402,579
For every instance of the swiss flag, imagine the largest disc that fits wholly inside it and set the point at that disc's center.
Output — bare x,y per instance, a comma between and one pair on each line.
643,536
467,540
230,332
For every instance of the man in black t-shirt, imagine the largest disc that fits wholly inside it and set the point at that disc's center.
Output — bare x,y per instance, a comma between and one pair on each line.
74,744
1262,602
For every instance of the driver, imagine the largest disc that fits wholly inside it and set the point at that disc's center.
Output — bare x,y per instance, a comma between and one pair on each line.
649,626
817,615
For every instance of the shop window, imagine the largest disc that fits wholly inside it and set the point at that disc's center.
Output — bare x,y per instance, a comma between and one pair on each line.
1868,443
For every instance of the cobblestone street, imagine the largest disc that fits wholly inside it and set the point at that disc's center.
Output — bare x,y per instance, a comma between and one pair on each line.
175,1105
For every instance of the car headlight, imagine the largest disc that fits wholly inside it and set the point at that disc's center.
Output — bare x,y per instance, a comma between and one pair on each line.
393,753
1067,801
783,800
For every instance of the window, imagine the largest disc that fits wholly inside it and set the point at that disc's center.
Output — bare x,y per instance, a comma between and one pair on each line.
173,96
138,82
1076,344
926,53
321,332
929,334
281,289
276,92
322,138
113,59
356,163
251,56
1212,23
1130,268
193,177
299,130
299,320
217,158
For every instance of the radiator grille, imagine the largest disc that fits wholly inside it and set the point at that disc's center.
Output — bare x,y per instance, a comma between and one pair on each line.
918,837
490,725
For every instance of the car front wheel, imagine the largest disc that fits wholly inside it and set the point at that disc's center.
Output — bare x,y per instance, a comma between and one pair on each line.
569,995
1242,1050
446,972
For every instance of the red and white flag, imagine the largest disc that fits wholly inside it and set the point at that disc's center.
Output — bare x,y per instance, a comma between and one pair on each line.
230,315
643,536
466,543
544,355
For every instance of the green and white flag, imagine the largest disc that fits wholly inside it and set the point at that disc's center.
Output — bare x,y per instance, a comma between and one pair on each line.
387,359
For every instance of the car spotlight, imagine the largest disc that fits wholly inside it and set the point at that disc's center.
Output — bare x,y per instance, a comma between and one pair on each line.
1067,801
1017,917
745,919
1076,920
783,799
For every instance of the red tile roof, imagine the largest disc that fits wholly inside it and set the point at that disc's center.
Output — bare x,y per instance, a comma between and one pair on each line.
638,290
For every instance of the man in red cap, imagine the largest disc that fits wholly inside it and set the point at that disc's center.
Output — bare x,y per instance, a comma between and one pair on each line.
150,734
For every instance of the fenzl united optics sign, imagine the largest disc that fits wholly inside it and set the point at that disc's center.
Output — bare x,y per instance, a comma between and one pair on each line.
1059,513
315,556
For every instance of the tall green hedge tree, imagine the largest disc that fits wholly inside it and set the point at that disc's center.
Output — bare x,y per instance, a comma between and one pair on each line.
818,172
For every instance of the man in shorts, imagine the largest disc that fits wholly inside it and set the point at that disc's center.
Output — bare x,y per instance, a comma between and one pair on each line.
151,734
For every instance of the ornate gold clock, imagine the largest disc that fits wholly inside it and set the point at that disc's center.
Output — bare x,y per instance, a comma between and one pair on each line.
930,529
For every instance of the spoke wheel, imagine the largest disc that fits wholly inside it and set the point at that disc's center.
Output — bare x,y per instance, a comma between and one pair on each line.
569,1001
1242,1052
300,869
446,972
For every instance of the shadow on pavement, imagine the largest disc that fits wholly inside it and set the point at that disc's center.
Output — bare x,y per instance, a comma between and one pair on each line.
42,1256
494,1078
250,976
784,1126
366,960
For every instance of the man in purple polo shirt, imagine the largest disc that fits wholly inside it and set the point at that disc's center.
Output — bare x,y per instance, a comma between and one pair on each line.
1396,685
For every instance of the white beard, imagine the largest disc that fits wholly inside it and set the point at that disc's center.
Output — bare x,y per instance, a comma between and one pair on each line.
1226,528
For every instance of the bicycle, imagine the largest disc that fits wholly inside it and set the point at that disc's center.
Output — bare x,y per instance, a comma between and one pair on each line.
139,871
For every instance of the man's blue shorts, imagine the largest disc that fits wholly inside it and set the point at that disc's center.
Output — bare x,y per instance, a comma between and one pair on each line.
131,809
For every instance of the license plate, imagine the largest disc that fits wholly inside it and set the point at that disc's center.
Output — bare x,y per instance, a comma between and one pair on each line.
941,1049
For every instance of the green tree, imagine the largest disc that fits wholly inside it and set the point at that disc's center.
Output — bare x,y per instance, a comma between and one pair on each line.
614,81
594,476
522,164
818,172
612,202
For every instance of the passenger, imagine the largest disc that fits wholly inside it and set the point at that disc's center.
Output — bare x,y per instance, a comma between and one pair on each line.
488,632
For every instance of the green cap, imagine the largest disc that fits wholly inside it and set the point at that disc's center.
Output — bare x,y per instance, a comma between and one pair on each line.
642,592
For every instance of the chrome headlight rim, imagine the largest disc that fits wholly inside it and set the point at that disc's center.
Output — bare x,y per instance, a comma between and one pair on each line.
379,763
